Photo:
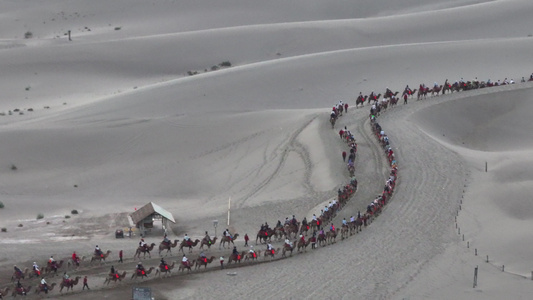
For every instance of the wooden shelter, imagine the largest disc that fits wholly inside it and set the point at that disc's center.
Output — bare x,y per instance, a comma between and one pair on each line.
144,217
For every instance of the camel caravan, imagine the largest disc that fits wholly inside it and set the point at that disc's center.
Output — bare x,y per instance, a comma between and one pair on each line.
296,235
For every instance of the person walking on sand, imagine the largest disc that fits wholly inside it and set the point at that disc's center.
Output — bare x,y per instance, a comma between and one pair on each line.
120,256
222,262
246,239
85,285
344,156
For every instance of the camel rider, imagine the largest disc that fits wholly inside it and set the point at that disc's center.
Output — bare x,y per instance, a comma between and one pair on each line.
163,263
302,238
278,225
266,226
17,269
436,85
352,219
269,247
44,284
321,232
51,260
228,234
388,91
314,217
75,257
252,249
166,240
203,256
287,242
235,252
332,227
97,250
333,114
20,287
344,222
187,239
35,267
142,244
304,222
140,266
262,228
287,221
207,237
185,261
65,276
112,271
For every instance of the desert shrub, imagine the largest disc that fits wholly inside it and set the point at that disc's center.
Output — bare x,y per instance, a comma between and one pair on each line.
4,229
28,88
28,35
13,167
20,225
1,204
118,28
40,216
225,64
74,211
67,217
214,68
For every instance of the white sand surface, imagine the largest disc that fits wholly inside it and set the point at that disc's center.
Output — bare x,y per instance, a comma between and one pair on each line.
111,120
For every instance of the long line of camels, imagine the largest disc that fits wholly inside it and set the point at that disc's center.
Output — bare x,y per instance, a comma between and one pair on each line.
290,230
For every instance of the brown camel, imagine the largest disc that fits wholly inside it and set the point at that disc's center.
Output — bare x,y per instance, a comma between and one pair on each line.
290,229
168,247
19,275
164,269
76,263
345,231
208,243
20,291
115,277
69,283
144,250
53,267
331,236
271,253
302,244
186,265
188,244
143,273
100,257
252,256
227,239
322,240
40,288
287,248
236,257
203,261
4,292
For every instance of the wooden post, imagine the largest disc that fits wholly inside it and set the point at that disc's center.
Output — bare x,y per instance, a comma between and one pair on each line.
229,207
475,277
463,237
69,38
487,258
459,230
503,268
486,166
476,255
467,244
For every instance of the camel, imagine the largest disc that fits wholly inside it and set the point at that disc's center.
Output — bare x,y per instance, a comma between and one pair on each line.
227,239
76,263
236,257
20,291
53,267
40,288
143,273
331,236
207,243
201,261
290,229
436,90
264,236
144,250
190,244
422,92
271,253
373,97
168,247
100,257
115,277
69,283
302,244
252,256
287,248
304,228
164,269
322,239
187,266
360,100
19,275
345,231
4,292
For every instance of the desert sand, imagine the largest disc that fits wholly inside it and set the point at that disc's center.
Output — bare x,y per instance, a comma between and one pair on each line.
112,119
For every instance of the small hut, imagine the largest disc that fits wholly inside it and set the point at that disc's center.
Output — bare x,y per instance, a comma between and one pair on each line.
144,217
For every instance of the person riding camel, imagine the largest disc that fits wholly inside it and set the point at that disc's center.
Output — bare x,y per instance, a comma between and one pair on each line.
97,251
142,244
235,252
279,225
18,271
187,240
112,272
228,234
163,264
302,238
44,284
66,278
20,287
35,267
75,258
293,221
332,227
388,92
140,267
207,237
51,260
304,221
344,223
166,241
288,242
185,261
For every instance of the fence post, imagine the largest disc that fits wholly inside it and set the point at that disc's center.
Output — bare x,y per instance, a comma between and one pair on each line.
503,268
467,244
531,272
475,277
487,258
